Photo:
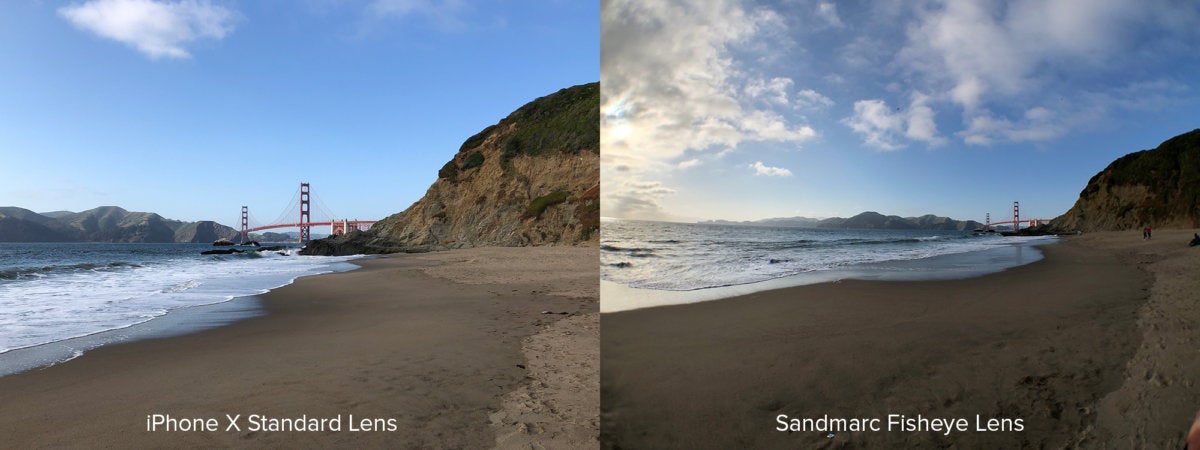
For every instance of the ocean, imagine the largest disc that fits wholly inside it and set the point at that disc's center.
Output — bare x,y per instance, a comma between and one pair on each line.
58,300
647,263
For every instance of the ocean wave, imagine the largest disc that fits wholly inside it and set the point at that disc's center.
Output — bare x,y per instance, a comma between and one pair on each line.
24,272
636,252
913,240
181,287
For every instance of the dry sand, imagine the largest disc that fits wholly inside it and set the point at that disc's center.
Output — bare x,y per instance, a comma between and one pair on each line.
1095,345
439,342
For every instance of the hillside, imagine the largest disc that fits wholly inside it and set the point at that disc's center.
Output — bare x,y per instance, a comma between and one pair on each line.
23,225
866,220
1158,188
104,224
531,179
203,231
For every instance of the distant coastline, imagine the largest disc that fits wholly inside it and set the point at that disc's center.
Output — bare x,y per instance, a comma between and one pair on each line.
864,220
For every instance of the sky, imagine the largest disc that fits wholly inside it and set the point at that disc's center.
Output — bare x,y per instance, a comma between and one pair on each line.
193,108
744,110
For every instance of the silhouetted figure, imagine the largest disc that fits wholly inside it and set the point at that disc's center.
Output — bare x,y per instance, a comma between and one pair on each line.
1195,240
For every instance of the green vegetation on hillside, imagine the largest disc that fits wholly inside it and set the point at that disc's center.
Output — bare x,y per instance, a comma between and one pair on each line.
449,171
1159,187
477,139
474,160
541,203
567,121
1172,171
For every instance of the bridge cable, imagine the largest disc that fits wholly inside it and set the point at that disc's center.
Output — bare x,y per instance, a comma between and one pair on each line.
291,213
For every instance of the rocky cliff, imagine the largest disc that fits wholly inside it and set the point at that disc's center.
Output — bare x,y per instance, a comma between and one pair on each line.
531,179
1158,188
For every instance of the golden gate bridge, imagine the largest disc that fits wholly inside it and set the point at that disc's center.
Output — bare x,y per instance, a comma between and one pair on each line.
302,210
1016,220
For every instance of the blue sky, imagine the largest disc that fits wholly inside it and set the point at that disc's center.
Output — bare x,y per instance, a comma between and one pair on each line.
743,110
192,108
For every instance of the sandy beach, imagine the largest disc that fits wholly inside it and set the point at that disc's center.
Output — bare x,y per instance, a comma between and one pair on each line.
1095,345
468,348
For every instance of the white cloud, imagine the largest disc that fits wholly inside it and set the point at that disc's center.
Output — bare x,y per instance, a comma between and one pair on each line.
689,163
1037,124
987,55
828,12
765,170
670,65
155,28
808,98
882,128
773,90
876,123
635,199
921,123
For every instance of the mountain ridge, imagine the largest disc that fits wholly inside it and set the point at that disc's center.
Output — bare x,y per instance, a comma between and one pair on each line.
864,220
104,224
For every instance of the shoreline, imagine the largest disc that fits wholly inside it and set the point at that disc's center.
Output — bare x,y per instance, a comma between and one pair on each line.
1061,343
174,322
620,297
396,340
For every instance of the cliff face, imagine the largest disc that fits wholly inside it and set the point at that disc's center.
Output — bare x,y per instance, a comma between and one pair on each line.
1158,188
531,179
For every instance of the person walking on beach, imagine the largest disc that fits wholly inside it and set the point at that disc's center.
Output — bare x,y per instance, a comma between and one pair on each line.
1149,233
1145,233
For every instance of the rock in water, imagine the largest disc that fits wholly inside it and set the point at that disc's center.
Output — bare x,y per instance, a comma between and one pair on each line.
227,251
222,242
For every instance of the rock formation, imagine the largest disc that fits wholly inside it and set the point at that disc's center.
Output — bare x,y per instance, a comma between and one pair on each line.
1158,188
531,179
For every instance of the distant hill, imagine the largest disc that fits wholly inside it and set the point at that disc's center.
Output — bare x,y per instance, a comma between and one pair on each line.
531,179
1158,188
56,214
867,220
23,225
104,224
279,237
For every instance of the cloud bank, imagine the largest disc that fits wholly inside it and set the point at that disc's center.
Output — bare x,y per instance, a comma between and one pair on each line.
672,82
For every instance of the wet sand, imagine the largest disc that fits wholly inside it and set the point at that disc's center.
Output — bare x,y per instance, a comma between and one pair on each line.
1095,345
429,341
